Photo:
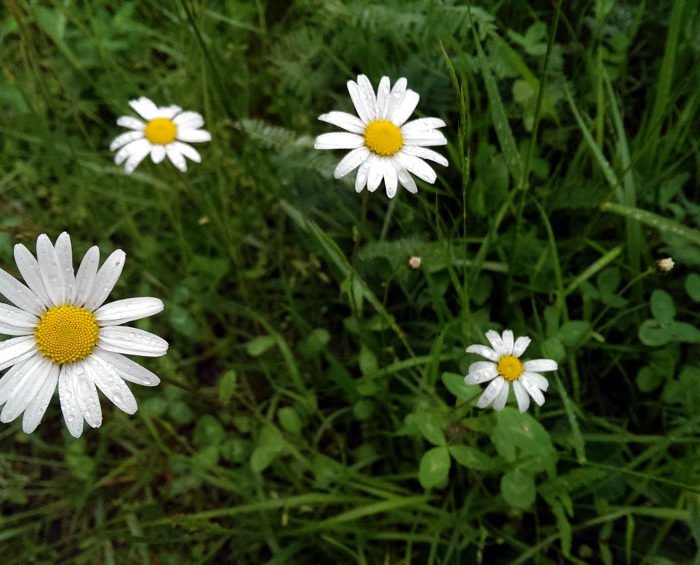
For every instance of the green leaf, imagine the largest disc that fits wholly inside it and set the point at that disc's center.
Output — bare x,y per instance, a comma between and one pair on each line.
654,220
553,348
456,385
227,386
429,427
259,345
519,438
314,343
472,458
289,420
648,379
208,431
270,445
692,286
518,489
662,307
573,333
654,333
434,467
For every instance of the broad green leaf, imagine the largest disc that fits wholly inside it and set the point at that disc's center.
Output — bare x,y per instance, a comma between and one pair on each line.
518,489
553,348
662,307
472,458
259,345
648,379
289,420
208,431
654,333
227,386
519,438
692,286
456,385
314,343
434,467
574,332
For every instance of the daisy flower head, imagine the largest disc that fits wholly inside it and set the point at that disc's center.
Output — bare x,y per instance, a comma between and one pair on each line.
383,144
164,130
66,336
504,367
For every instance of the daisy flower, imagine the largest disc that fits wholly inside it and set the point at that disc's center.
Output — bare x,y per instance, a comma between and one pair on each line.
384,146
504,366
162,133
67,336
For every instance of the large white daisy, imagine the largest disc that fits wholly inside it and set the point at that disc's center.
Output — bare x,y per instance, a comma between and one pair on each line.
163,133
384,146
504,366
67,337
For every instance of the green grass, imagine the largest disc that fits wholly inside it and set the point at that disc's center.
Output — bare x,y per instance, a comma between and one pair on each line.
312,405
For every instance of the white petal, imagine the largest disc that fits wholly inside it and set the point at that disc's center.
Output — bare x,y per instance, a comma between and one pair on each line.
157,153
36,409
405,108
14,321
481,372
344,120
426,139
127,310
176,158
127,369
351,161
64,252
12,379
69,401
521,396
35,374
383,98
404,176
132,341
422,125
339,140
138,154
86,393
190,120
484,351
500,401
19,294
187,150
193,135
537,365
368,97
144,107
520,345
417,166
532,390
376,172
131,123
134,148
537,380
106,278
112,385
507,338
497,343
362,174
491,392
358,102
51,271
85,279
168,112
19,359
11,349
28,267
124,139
390,178
424,153
396,96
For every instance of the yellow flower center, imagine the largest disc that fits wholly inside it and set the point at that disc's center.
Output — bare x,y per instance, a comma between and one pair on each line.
510,367
383,138
161,131
66,334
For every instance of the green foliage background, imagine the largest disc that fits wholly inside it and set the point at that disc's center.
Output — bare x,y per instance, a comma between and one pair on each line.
313,404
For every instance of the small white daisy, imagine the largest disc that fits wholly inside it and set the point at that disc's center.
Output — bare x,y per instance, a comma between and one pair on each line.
67,337
504,366
384,145
161,134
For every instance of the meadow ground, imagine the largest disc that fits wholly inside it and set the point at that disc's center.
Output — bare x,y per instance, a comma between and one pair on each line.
312,406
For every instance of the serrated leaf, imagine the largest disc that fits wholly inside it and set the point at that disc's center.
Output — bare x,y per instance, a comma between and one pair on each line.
434,467
518,489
